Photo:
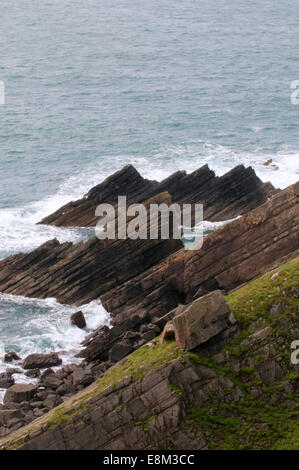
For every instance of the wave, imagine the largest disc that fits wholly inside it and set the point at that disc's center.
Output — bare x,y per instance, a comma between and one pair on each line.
40,326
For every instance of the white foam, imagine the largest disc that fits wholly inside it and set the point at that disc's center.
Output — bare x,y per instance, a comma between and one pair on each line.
45,327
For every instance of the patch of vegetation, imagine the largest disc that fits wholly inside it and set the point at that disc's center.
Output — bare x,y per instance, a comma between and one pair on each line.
255,426
255,299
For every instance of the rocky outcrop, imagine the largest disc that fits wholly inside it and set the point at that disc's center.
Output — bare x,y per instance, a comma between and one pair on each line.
79,273
146,283
226,197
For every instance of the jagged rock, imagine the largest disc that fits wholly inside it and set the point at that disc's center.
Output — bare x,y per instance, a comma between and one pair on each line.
41,361
6,380
81,213
82,272
18,393
232,194
79,273
247,247
11,356
78,319
204,319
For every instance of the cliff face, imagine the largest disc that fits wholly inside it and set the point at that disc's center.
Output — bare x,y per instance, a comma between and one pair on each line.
237,390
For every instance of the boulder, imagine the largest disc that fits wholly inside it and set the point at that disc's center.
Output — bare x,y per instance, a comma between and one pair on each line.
14,370
78,319
7,415
204,319
6,380
33,373
41,361
82,377
11,356
18,393
52,381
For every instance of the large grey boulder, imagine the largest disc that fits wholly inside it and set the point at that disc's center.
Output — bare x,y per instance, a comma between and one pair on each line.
18,393
41,361
205,318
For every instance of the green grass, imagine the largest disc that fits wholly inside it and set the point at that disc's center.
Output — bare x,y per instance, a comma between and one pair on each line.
254,300
255,426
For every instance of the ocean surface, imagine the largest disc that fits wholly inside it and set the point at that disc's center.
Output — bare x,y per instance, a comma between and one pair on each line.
91,86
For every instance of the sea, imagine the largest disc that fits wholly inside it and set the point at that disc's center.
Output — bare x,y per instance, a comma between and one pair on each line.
90,86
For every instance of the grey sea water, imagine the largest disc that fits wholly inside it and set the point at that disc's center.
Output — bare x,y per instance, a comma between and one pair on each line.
93,85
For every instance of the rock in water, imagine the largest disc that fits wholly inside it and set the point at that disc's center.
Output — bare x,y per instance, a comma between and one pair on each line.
205,318
11,356
41,361
78,319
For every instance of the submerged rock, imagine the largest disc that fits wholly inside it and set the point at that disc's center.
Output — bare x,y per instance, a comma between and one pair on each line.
78,319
